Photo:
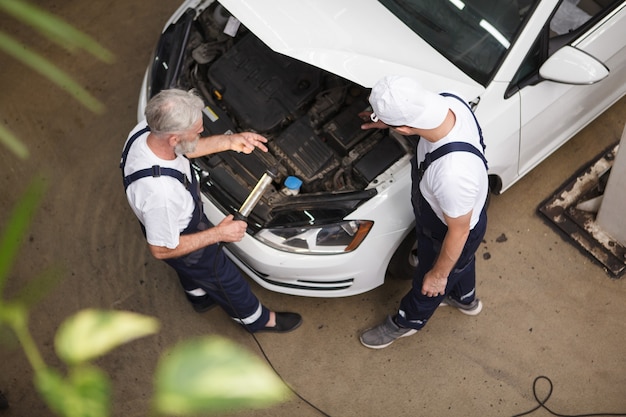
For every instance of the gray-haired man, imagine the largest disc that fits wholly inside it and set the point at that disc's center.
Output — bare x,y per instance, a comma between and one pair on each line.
164,194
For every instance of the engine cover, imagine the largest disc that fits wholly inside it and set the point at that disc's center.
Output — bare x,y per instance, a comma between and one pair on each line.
261,88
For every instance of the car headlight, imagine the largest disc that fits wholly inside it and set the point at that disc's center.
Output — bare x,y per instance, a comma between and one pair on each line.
334,238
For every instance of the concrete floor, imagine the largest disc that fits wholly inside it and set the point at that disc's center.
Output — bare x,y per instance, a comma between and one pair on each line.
549,310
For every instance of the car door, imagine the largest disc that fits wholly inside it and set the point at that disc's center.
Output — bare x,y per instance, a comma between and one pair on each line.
552,111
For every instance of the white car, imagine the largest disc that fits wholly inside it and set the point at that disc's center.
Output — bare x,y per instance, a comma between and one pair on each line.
299,72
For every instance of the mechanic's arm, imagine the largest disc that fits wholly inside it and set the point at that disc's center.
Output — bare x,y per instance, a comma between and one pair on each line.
239,142
436,279
228,230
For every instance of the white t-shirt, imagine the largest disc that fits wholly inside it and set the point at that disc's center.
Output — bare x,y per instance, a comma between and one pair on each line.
162,204
457,182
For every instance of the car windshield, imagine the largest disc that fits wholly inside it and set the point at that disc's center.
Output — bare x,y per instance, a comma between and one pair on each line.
473,34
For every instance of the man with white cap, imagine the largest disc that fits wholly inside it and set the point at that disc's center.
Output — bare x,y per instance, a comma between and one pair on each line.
449,194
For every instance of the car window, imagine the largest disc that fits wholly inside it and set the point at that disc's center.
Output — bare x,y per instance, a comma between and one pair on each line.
473,34
573,14
571,19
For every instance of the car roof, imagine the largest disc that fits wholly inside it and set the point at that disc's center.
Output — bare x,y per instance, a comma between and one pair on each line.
359,40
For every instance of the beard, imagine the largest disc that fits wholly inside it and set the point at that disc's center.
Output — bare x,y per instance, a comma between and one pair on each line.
185,147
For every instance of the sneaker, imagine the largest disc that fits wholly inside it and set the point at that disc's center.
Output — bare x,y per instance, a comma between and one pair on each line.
470,309
384,334
285,322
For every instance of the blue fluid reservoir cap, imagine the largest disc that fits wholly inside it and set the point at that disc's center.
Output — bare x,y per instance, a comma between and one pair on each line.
293,183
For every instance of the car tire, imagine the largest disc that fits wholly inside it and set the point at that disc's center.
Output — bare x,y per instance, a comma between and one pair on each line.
404,260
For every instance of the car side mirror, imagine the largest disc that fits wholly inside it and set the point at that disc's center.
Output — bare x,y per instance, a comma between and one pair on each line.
569,65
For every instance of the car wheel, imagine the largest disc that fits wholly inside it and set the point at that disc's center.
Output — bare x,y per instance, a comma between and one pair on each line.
404,260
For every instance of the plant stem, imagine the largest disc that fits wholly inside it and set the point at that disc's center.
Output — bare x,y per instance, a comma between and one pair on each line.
16,316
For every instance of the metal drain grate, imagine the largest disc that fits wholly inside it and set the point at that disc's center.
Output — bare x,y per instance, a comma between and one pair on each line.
564,209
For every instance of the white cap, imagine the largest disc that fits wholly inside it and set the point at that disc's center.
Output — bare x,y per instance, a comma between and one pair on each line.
401,101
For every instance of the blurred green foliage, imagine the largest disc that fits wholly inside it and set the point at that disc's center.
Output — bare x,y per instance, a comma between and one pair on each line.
62,34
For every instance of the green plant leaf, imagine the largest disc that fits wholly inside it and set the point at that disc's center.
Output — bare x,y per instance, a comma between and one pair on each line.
56,29
51,387
92,391
8,139
212,374
18,224
49,71
85,393
91,333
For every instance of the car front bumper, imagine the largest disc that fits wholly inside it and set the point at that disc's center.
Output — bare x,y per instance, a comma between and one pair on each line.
336,275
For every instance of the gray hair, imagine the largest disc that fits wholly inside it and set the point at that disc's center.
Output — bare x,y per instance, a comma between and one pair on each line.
173,111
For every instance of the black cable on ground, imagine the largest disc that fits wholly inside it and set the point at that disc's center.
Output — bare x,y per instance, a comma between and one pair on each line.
542,403
267,359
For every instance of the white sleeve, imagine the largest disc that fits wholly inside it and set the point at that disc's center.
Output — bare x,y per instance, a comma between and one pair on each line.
161,223
160,206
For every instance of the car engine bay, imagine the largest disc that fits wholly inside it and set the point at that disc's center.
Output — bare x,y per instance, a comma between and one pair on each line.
309,116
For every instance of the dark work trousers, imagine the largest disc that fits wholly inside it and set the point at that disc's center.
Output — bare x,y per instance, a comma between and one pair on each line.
416,308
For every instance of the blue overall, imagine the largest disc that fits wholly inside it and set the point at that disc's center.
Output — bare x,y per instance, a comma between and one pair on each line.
207,268
415,308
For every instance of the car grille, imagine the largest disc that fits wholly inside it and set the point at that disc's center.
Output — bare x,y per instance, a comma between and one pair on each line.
313,285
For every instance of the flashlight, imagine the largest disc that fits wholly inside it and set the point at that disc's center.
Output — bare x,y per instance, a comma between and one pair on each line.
257,192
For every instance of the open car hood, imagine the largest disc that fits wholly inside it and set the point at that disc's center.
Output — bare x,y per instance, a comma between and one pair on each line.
361,41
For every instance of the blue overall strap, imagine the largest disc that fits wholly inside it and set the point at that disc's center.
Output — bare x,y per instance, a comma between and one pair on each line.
431,157
130,142
154,171
480,131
